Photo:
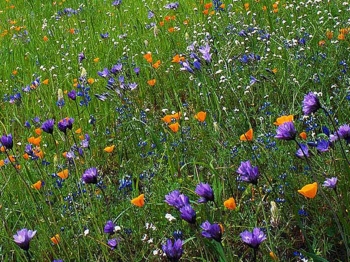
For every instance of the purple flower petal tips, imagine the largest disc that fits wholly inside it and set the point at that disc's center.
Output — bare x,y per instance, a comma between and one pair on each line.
48,125
286,131
205,192
23,237
7,141
330,182
90,176
211,231
248,173
253,239
310,103
172,250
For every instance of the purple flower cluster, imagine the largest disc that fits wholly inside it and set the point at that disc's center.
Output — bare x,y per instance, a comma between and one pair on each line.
172,250
211,231
254,238
181,203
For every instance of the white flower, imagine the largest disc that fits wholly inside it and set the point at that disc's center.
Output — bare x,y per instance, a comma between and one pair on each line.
170,217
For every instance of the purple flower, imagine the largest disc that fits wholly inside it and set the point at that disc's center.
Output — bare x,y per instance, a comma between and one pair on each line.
172,5
205,51
248,173
176,199
65,123
23,237
113,243
310,103
188,214
7,141
173,251
323,146
205,192
344,132
186,66
137,70
117,2
57,260
72,94
117,68
109,227
81,57
104,36
150,14
90,176
104,73
211,231
303,151
48,125
286,131
330,182
253,239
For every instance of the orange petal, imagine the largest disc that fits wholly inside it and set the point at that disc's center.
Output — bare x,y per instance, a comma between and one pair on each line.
309,190
283,119
139,201
63,174
174,127
37,185
230,203
56,239
248,136
109,149
200,116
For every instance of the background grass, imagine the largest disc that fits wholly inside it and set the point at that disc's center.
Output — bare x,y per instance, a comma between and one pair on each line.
289,61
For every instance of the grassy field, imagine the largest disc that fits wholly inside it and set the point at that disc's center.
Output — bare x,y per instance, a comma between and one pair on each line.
165,131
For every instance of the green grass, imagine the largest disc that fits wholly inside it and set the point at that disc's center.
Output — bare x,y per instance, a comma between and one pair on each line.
282,50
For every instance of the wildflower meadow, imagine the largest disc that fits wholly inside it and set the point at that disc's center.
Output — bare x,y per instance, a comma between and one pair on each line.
144,130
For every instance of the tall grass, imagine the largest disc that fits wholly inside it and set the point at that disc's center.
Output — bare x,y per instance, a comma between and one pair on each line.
265,57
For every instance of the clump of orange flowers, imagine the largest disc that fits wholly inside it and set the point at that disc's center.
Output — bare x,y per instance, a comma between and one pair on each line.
170,120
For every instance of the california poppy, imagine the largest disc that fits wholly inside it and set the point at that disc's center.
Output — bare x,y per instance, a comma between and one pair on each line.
37,185
174,127
34,140
303,135
46,82
200,116
309,190
138,201
63,174
109,149
230,203
282,119
156,64
148,57
151,82
248,136
55,239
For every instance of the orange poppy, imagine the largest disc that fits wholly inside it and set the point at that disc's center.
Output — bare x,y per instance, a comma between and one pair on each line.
156,64
38,131
12,159
174,127
230,203
309,190
248,136
2,162
246,6
78,131
205,12
109,149
139,201
341,37
200,116
283,119
168,118
208,5
37,185
161,23
91,81
63,174
329,34
34,140
148,57
45,38
96,59
55,239
303,135
46,81
151,82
